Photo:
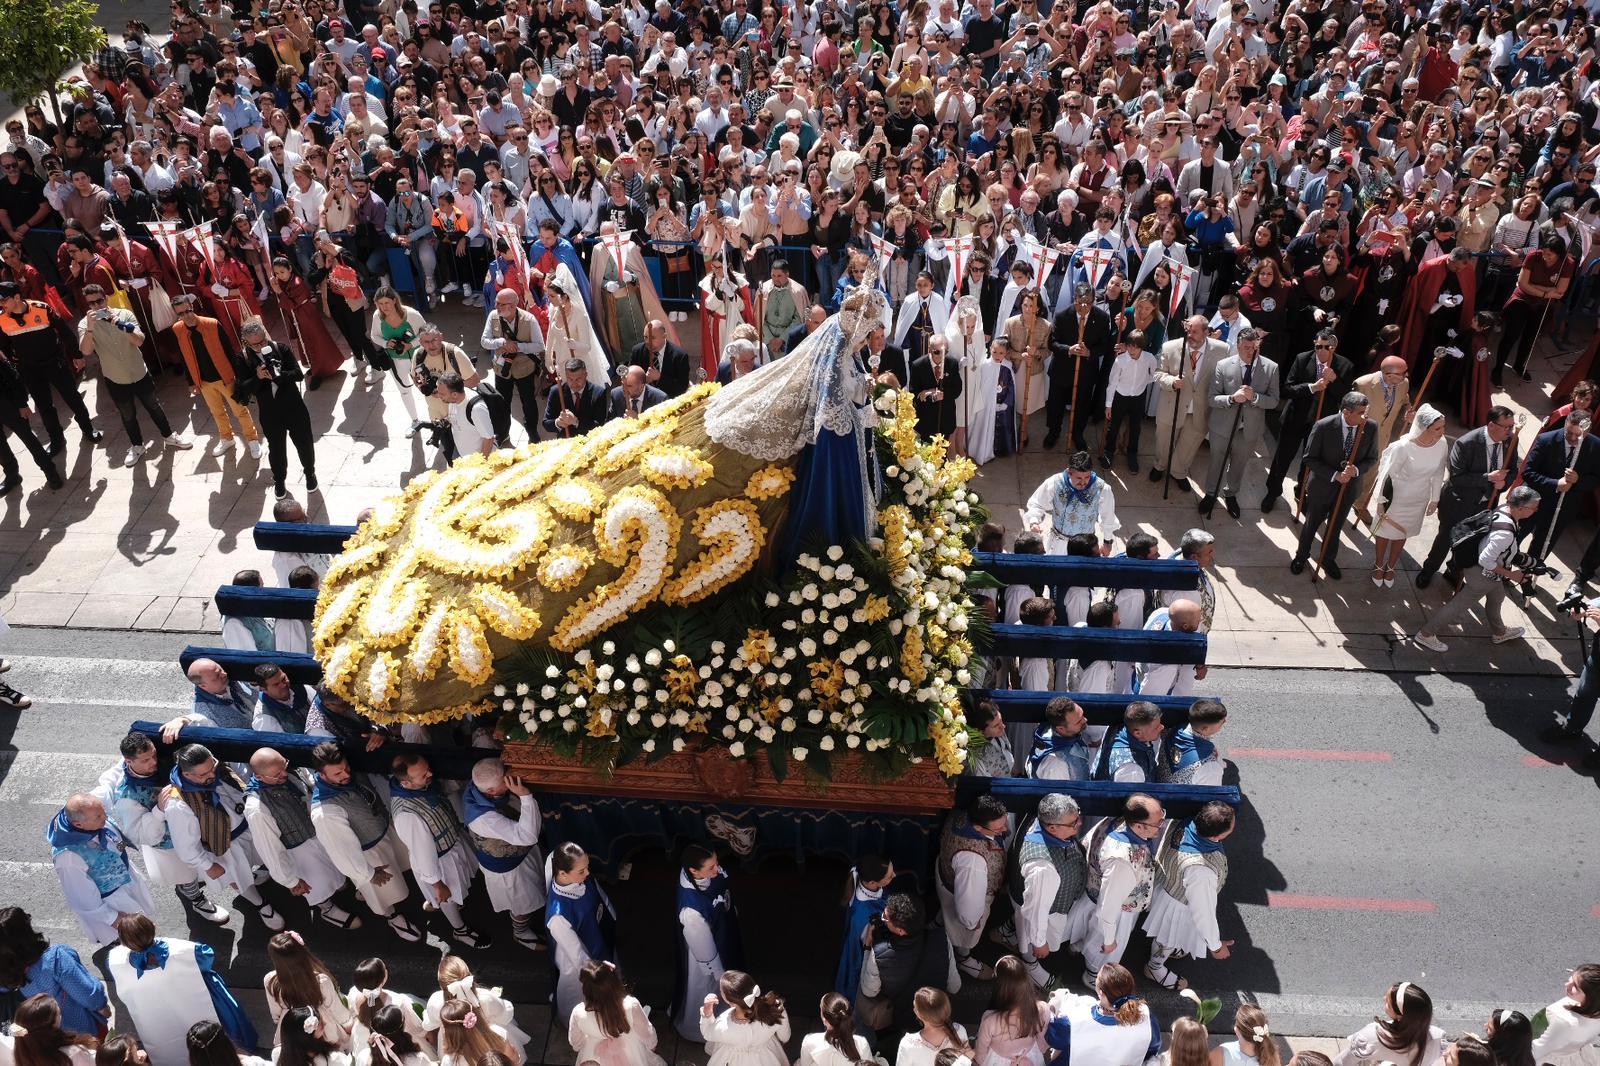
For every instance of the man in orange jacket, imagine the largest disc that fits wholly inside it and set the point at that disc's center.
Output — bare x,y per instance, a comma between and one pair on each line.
212,377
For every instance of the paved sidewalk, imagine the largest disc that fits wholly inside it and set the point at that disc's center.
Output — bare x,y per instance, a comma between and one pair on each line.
144,547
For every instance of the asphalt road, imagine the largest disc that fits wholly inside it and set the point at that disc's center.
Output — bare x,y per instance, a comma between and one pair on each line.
1395,827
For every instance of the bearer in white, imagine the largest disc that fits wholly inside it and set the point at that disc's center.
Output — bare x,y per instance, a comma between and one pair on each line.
1190,757
502,821
1191,869
277,807
430,828
352,822
1047,876
971,865
205,816
1172,679
1121,879
91,859
134,795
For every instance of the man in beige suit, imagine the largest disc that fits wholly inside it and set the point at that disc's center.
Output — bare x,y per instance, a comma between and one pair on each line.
1388,393
1184,377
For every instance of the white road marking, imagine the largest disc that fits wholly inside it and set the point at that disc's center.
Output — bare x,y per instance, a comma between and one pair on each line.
44,777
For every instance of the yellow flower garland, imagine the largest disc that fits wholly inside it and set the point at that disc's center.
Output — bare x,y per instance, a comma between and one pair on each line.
734,534
769,482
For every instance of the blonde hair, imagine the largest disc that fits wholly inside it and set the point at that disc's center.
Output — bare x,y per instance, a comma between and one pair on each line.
1247,1021
1190,1045
470,1042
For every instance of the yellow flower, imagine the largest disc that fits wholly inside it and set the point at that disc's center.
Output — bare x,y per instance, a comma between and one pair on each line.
470,658
695,724
681,682
672,466
563,566
576,498
734,536
876,609
601,723
911,664
503,611
827,680
769,482
758,647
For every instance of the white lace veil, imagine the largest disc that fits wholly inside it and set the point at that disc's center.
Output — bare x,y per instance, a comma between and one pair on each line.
579,330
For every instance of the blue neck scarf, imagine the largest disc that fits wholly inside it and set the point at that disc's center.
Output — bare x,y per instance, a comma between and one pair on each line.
477,804
1071,494
1188,748
428,793
327,790
62,834
1196,843
152,958
1125,833
1141,751
968,830
139,780
185,785
1037,835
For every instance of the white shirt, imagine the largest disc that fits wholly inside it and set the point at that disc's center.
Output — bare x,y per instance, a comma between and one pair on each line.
470,425
1131,376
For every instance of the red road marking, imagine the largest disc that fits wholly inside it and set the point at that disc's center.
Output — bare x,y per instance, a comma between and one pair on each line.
1534,760
1350,903
1596,912
1312,754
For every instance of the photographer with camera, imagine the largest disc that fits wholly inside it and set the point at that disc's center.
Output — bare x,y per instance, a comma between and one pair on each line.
284,417
467,414
514,338
1581,710
112,334
1498,562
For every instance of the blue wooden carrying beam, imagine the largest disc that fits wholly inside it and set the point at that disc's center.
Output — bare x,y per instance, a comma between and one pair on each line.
237,745
1097,798
250,601
240,665
1084,571
1081,642
1022,705
302,537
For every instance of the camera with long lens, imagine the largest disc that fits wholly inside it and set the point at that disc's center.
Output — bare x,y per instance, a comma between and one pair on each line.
1574,600
1531,566
438,432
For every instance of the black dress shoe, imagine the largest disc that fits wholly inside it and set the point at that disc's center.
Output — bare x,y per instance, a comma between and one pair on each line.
1558,734
1423,579
1297,565
94,436
1269,501
1232,504
11,484
1207,503
53,480
1105,461
1331,568
313,385
1050,439
1157,475
54,448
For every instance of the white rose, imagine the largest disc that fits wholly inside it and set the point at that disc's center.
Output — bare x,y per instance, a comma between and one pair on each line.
668,646
650,745
826,573
852,741
829,637
787,725
826,744
633,718
705,673
677,743
745,725
658,720
808,647
545,716
652,657
569,725
736,749
499,690
729,732
772,599
835,553
799,754
552,671
522,688
609,648
814,716
963,677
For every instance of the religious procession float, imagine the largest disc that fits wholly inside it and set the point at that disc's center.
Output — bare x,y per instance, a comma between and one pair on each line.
754,594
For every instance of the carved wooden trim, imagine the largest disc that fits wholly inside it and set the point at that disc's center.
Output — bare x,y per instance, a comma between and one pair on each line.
711,774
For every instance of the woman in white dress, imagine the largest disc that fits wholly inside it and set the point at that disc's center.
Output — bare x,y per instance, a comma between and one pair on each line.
980,380
306,1038
610,1027
571,334
389,1041
1410,475
465,1037
1574,1020
299,979
1406,1037
37,1036
938,1032
1012,1030
751,1032
370,993
838,1044
456,985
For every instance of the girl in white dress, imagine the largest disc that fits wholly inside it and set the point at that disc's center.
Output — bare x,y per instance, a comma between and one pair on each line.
610,1027
1509,1036
37,1035
1012,1030
465,1037
456,985
369,994
209,1045
389,1041
932,1008
1407,1037
1410,475
1253,1045
751,1032
837,1044
1575,1018
299,979
305,1038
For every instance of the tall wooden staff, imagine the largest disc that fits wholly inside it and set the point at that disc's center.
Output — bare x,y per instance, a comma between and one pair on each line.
1027,389
1505,460
1338,501
1300,492
1439,355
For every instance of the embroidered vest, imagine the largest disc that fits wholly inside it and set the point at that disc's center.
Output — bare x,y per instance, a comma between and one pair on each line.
1076,512
1174,862
291,715
215,814
1103,848
495,855
583,914
435,812
1070,866
108,867
289,807
991,852
368,818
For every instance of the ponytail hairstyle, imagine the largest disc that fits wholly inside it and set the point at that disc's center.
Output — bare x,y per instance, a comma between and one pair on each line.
389,1041
1117,989
370,978
118,1049
740,991
565,858
695,856
838,1020
42,1041
1015,997
1408,1029
1587,978
1511,1038
603,994
209,1045
1250,1026
452,968
1190,1044
933,1007
296,1046
295,970
465,1033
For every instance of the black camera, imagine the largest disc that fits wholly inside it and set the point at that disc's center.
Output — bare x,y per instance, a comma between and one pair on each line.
1574,600
427,380
1530,566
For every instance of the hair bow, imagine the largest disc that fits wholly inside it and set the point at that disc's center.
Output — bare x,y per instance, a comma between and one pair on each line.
464,989
1260,1032
1120,1000
750,1000
385,1047
297,938
310,1026
470,1021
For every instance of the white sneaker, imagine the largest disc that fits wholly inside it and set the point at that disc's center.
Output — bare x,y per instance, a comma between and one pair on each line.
135,453
255,449
1422,640
1514,633
178,443
221,448
373,376
271,918
448,289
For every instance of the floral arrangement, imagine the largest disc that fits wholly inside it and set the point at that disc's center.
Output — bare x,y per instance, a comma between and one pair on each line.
862,648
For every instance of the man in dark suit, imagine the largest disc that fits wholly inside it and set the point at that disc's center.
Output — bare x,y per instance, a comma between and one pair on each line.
1562,462
738,359
936,387
666,366
815,317
1090,358
1339,450
890,360
576,405
1481,462
634,396
1314,378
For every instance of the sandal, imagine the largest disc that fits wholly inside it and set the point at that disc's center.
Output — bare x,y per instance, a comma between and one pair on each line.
975,968
1388,577
1377,576
1171,981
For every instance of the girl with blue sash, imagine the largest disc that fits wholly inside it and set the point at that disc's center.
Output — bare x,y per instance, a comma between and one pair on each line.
580,922
708,936
869,883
